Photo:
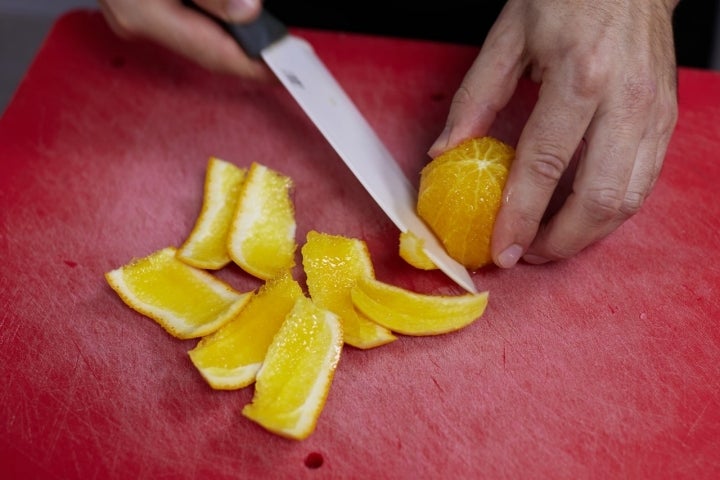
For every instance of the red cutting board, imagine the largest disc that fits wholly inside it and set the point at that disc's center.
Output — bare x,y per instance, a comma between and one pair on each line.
603,366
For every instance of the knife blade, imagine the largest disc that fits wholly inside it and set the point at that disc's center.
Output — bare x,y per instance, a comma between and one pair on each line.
323,99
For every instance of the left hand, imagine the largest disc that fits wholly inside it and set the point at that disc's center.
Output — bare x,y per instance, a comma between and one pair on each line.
608,79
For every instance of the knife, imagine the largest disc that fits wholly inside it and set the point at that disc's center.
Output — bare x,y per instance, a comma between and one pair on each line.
314,88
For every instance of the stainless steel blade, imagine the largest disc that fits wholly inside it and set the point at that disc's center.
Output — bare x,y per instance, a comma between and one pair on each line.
322,98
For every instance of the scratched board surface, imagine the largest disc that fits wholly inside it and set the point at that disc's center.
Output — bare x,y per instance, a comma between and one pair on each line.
606,365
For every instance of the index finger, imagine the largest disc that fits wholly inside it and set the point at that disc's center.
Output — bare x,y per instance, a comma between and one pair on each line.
487,87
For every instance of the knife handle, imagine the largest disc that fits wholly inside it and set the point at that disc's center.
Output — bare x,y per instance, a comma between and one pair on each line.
252,37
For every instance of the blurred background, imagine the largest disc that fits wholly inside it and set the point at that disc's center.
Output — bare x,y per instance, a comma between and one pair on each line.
25,23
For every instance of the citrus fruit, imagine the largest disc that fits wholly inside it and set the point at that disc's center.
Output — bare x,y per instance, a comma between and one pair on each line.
206,246
230,357
410,313
412,251
294,380
333,264
186,301
460,194
262,233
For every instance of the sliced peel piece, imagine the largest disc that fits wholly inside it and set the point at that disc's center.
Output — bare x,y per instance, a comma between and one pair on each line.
186,301
262,233
293,382
231,357
412,251
333,264
411,313
206,246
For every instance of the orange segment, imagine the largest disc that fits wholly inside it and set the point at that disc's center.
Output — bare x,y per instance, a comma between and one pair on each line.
333,264
187,302
413,313
460,194
295,378
231,357
412,251
206,246
262,234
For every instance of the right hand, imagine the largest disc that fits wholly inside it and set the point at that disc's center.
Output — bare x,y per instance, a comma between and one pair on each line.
188,32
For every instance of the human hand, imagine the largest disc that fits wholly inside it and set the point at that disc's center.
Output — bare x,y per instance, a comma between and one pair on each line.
187,31
608,86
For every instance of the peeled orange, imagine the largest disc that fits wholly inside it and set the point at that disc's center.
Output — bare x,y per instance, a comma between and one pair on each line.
460,194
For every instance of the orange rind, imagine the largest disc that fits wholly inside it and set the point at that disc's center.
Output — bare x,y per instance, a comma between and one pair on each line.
411,313
186,301
333,264
412,250
294,380
206,246
262,233
230,358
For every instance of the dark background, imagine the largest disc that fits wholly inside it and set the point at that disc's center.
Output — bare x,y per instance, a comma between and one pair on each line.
25,23
465,21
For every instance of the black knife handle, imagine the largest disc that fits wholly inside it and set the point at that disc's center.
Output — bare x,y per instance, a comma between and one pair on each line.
252,37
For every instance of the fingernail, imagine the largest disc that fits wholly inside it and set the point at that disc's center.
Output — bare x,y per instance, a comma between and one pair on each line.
238,10
441,143
535,259
510,256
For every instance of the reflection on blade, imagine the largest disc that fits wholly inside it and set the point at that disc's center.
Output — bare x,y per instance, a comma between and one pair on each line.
328,106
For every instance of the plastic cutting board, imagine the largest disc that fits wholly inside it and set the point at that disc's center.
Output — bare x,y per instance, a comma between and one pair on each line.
603,366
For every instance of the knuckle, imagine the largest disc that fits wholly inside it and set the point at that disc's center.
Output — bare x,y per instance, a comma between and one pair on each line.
632,203
548,165
589,77
639,94
603,205
524,222
466,99
527,222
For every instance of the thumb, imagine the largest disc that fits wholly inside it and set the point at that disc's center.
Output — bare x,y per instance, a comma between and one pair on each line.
486,89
